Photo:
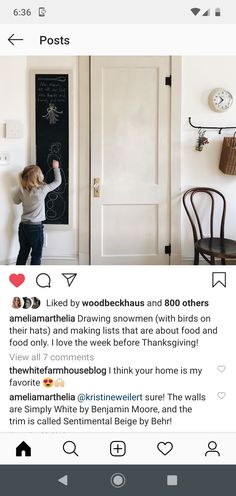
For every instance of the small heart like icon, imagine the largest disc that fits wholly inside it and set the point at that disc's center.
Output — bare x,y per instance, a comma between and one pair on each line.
165,448
17,279
221,368
221,395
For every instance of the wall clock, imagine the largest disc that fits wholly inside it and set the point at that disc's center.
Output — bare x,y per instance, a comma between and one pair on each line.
220,100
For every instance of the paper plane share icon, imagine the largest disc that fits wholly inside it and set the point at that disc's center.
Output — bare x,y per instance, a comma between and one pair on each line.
70,277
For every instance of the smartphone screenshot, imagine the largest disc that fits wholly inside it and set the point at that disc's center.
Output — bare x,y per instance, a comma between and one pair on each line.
118,248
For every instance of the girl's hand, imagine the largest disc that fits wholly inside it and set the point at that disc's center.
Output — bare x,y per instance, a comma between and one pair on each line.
55,164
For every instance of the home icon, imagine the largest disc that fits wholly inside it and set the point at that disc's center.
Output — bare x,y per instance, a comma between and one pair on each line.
23,448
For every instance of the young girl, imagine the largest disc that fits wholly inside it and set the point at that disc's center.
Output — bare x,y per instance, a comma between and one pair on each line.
31,194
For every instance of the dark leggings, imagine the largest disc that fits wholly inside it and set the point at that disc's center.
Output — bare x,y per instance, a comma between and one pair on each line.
31,240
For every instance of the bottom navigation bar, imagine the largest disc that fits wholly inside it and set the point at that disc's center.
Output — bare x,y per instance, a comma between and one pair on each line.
118,448
130,480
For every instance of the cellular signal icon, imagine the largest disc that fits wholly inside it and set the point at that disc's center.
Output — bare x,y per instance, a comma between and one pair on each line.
195,11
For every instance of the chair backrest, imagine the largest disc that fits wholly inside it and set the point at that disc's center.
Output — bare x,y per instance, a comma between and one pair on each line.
192,210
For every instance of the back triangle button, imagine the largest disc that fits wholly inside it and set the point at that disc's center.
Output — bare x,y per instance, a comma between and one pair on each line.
64,480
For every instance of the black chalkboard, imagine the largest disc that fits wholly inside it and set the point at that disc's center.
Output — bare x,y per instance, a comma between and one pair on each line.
52,140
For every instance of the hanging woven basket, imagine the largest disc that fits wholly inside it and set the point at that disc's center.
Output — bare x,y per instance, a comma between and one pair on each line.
228,156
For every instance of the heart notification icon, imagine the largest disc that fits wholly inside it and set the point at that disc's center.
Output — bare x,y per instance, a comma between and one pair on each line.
17,279
165,448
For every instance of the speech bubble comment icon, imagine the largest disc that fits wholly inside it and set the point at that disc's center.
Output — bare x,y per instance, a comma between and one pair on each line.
43,280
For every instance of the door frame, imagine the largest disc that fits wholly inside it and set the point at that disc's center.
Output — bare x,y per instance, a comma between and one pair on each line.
175,160
85,160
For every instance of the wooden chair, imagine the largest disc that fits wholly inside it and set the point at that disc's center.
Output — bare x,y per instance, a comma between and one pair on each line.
210,247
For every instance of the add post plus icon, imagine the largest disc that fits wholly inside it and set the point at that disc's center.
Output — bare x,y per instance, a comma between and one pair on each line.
117,448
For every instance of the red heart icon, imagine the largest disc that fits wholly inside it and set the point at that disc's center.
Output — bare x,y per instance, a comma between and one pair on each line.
17,279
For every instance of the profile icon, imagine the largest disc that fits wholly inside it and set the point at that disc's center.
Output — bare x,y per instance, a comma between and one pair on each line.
212,449
16,302
27,302
35,302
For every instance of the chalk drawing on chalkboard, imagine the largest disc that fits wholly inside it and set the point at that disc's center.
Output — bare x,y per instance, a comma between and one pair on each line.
52,114
52,140
55,203
61,79
54,153
55,207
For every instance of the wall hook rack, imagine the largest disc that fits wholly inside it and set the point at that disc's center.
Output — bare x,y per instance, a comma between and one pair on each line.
218,128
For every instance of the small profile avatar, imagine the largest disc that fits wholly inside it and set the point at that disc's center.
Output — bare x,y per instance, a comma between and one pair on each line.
35,302
59,383
27,302
212,445
16,303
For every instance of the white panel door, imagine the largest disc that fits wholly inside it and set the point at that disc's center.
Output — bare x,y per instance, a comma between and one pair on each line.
130,148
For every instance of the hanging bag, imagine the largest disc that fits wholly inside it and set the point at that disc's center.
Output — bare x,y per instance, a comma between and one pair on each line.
228,156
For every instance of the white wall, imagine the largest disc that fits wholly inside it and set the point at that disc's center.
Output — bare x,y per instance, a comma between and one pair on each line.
14,88
16,103
199,76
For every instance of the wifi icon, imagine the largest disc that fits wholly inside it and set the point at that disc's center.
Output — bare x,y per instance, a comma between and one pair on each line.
195,11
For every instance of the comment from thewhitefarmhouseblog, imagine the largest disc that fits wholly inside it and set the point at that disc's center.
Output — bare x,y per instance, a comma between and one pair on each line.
117,349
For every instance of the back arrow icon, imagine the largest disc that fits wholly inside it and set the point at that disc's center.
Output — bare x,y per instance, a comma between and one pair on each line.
11,39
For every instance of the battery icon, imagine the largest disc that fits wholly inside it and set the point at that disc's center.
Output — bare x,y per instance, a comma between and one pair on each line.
217,12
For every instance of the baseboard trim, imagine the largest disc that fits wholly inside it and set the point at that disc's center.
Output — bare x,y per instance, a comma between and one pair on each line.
60,261
84,260
189,261
48,261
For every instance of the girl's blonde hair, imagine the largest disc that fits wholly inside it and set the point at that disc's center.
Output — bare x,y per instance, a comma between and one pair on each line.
31,177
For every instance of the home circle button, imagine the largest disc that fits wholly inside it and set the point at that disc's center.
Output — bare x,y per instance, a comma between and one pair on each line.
118,480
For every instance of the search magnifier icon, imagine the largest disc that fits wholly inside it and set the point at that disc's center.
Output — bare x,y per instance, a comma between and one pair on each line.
69,447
